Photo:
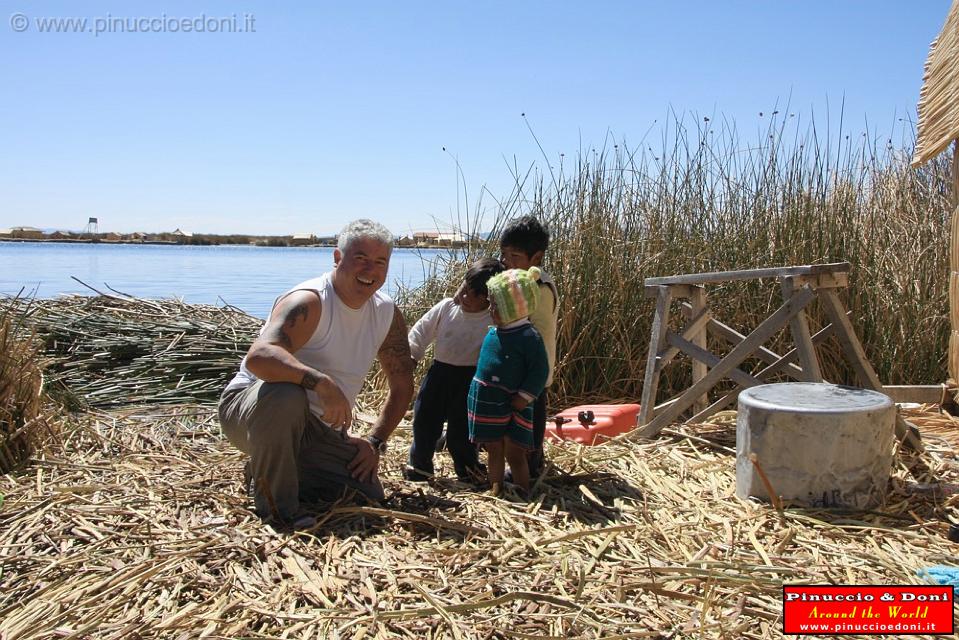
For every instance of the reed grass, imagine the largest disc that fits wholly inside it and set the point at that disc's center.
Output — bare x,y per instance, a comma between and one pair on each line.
22,419
705,201
708,201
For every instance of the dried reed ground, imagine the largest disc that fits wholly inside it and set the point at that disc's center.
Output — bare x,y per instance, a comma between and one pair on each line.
137,527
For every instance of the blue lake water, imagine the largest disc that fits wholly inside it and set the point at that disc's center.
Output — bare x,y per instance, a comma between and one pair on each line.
243,276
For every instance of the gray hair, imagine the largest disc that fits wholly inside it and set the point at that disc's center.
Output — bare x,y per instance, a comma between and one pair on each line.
363,228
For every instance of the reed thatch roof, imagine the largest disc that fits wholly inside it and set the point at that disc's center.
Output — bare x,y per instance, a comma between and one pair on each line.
939,98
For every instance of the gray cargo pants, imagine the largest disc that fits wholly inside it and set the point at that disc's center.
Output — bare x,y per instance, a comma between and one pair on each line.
293,454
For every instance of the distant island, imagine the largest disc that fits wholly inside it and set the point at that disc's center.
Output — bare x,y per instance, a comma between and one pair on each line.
419,239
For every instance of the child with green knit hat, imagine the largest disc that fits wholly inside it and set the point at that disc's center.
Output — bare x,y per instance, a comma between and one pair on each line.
523,244
511,373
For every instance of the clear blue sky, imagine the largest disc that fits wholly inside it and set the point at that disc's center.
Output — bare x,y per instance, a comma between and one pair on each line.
333,111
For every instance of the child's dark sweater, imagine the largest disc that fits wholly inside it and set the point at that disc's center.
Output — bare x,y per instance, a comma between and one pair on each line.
514,360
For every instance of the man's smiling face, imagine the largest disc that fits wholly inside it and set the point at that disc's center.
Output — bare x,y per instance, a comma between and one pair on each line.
360,270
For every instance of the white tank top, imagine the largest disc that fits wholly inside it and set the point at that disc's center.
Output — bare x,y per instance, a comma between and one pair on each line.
344,344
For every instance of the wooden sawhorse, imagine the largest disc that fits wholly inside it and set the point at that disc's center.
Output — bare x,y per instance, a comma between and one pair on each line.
800,285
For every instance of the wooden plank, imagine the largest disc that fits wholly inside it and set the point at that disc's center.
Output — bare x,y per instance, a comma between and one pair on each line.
766,329
792,354
823,280
907,433
919,393
693,351
675,290
773,368
733,337
715,407
656,339
799,326
849,341
694,327
698,300
716,277
764,375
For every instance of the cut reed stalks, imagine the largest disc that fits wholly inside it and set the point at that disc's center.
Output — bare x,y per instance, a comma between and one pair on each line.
110,351
137,526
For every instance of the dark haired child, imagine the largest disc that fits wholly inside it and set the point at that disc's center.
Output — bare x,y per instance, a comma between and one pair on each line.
458,326
522,245
510,375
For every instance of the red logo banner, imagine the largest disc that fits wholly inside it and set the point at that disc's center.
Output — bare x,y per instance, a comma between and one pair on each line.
867,610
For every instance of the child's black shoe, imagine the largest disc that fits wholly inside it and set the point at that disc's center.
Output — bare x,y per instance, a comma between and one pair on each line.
414,475
474,475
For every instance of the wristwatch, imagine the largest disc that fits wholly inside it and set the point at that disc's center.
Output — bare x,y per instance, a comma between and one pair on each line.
378,445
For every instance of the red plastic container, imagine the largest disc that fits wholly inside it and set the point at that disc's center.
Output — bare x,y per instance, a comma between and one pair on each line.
608,420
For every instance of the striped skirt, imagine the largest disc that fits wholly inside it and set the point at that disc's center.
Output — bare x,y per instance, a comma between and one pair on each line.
491,417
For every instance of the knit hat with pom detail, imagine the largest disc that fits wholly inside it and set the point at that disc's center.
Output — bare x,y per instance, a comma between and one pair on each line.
514,293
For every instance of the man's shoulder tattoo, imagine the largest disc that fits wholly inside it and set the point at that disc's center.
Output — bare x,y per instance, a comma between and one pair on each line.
278,332
394,354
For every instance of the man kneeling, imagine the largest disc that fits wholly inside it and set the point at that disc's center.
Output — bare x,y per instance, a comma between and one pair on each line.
291,404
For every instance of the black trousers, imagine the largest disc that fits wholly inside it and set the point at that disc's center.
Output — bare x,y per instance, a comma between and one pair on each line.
442,398
539,421
535,457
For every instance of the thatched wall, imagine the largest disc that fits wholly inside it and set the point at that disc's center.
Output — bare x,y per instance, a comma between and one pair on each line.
939,126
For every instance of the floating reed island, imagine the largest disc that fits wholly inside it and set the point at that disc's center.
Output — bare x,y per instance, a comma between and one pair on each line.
132,522
125,515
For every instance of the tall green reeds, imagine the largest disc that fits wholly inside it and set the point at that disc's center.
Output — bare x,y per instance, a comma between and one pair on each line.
708,201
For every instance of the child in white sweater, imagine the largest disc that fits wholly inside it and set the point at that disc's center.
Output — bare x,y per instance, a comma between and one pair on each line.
458,326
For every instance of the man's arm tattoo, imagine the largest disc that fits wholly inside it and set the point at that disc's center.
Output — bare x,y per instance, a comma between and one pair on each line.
293,315
278,333
309,381
394,354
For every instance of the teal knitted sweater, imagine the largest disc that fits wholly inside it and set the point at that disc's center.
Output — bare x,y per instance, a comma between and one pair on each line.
514,360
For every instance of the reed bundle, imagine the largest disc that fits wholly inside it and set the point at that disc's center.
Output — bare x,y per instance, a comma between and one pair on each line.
22,421
939,97
937,127
109,351
136,526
